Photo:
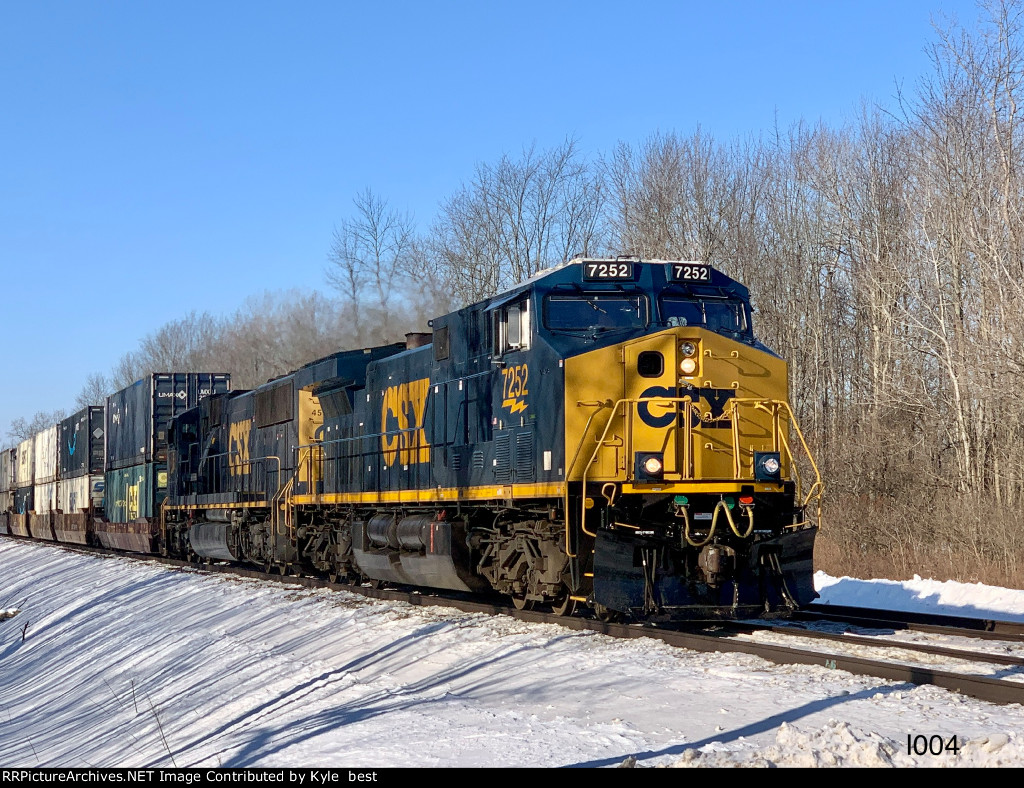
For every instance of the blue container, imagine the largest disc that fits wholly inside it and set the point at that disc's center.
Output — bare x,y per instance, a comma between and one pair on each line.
80,441
137,417
23,500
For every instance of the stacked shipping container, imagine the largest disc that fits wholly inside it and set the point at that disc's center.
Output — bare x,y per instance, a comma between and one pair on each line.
80,441
44,483
137,419
109,460
8,460
24,473
80,460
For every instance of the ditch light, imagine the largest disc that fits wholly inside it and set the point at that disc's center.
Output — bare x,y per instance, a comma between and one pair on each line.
649,466
767,466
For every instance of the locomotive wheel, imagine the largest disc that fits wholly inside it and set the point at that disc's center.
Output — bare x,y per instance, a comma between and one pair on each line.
564,605
607,615
522,603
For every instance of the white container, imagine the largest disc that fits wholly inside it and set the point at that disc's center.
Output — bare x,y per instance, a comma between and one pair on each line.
44,499
46,455
73,494
24,470
8,464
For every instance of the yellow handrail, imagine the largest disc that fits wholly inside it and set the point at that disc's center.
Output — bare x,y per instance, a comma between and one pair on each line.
780,443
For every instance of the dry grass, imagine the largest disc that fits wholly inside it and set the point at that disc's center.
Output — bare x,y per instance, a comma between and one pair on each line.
956,540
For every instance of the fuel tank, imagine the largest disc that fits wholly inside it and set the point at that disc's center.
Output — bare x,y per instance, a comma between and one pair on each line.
415,550
214,540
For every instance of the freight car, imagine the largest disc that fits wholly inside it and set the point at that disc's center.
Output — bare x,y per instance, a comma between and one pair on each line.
607,435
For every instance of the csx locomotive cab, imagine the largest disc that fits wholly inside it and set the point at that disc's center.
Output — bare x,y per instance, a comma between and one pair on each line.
681,470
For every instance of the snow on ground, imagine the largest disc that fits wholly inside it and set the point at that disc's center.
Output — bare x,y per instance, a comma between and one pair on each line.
972,600
128,664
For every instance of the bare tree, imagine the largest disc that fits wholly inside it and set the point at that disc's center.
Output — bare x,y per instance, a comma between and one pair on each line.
250,347
516,218
670,197
369,255
885,259
465,248
21,430
130,367
183,344
95,391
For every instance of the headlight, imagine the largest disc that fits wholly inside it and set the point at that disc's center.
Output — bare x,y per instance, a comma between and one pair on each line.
688,348
771,465
688,366
653,466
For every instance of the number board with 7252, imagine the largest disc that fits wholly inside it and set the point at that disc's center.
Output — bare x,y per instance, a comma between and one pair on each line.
689,272
607,270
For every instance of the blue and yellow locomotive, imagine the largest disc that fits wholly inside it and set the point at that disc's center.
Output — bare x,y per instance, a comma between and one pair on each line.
609,433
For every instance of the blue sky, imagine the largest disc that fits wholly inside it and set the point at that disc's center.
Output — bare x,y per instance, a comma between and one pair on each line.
164,157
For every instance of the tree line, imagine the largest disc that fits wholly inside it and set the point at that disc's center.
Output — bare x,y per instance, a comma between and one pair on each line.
885,260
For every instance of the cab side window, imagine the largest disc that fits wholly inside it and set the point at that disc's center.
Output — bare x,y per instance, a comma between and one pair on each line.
512,327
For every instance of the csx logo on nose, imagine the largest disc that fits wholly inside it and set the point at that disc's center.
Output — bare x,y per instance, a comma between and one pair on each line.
666,411
661,414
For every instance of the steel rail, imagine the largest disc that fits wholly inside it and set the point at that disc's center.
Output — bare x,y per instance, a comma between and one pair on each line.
876,642
870,618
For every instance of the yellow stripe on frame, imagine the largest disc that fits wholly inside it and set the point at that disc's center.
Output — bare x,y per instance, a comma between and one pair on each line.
495,492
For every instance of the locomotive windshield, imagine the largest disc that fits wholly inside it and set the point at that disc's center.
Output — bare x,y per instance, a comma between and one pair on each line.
595,311
723,315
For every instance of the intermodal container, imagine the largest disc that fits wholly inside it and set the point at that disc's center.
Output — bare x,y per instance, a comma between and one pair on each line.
8,460
24,469
137,417
23,500
80,443
131,493
8,464
79,493
44,497
45,456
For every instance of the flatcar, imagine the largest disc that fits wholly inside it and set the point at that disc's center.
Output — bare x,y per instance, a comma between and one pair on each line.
609,435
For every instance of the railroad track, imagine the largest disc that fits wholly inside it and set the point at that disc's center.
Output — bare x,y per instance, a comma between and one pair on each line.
968,678
881,641
985,629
